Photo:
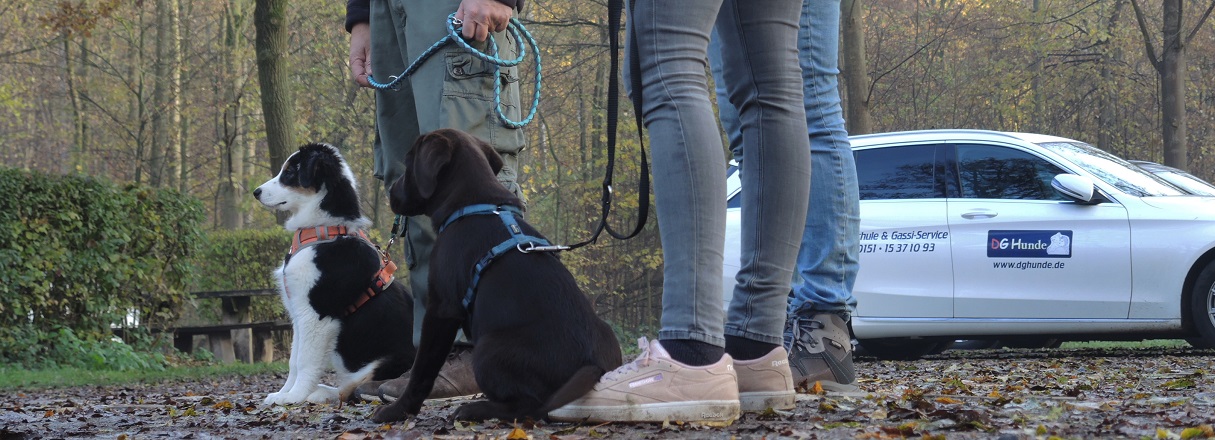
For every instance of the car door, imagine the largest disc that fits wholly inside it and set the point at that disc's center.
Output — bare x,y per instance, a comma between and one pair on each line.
1020,250
904,246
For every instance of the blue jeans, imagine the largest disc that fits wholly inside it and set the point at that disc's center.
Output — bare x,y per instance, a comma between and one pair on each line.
758,42
828,260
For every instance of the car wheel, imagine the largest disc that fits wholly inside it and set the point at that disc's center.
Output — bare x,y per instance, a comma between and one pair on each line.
1202,309
898,349
1032,342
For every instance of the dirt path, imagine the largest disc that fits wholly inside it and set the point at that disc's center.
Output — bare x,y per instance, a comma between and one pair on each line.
1006,394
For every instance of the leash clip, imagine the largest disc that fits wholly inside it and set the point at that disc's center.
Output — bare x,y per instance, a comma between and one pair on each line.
531,247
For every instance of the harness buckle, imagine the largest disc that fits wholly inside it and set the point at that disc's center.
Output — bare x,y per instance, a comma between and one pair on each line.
532,247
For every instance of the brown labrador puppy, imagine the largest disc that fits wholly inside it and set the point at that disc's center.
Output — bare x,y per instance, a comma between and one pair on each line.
537,341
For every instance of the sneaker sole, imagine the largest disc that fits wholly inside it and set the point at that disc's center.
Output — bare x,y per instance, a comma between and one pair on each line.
726,411
758,401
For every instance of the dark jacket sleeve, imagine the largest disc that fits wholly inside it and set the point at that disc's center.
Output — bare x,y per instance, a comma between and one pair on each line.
359,11
517,5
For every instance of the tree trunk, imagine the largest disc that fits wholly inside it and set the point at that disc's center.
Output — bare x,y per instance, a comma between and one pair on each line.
1109,56
75,163
855,69
172,110
270,21
162,124
1037,120
181,170
232,158
1172,87
136,110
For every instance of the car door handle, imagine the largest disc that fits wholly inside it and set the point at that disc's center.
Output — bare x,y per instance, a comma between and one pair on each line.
978,214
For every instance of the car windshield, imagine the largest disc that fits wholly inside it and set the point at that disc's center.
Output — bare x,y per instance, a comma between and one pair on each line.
1188,182
1110,169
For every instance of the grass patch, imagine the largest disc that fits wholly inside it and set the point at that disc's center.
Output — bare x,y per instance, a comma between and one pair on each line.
1151,343
21,379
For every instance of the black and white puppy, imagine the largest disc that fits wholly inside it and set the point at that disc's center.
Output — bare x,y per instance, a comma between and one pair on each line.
537,343
346,311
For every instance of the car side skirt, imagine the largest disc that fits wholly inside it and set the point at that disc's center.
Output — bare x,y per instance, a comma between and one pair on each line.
866,327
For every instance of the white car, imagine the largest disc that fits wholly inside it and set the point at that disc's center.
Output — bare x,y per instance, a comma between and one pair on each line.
970,234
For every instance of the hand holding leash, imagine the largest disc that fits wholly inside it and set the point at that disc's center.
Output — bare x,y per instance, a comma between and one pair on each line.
482,17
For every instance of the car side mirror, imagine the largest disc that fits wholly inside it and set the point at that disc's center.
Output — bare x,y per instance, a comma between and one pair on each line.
1076,188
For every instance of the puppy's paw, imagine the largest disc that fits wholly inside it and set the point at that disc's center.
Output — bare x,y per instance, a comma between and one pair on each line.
323,394
273,399
394,412
482,410
293,397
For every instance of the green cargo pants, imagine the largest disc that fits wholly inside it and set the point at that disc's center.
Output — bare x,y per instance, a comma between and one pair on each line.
452,89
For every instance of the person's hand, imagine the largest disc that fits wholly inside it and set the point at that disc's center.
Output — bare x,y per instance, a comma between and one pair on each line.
360,54
481,17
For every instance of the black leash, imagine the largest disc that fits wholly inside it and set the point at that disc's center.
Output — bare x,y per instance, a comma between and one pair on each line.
615,9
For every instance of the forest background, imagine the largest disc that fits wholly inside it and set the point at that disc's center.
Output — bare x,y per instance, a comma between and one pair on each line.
207,97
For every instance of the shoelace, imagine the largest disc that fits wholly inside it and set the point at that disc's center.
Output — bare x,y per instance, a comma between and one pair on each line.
642,361
799,323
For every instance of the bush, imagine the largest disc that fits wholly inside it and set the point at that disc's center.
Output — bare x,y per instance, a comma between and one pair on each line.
240,260
83,254
31,348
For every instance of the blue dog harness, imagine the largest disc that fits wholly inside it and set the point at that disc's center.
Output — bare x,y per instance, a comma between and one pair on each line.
518,241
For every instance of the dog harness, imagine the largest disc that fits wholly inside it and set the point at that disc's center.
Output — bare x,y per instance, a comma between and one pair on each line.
518,241
322,234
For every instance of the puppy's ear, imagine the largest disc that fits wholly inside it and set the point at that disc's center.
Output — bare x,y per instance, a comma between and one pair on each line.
398,196
315,167
308,169
495,159
432,153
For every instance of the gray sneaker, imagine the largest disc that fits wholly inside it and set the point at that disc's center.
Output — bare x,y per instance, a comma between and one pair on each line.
820,350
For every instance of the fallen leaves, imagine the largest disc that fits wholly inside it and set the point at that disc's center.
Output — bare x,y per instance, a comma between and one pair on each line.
983,394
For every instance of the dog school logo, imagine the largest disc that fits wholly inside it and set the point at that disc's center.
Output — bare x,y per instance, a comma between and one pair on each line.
1029,244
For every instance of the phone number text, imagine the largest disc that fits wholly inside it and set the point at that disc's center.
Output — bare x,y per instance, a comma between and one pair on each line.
895,248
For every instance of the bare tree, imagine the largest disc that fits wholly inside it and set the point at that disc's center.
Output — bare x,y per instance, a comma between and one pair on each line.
166,91
855,68
232,158
270,21
1170,65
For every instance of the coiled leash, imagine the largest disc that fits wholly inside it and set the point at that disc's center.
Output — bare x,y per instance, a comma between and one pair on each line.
515,29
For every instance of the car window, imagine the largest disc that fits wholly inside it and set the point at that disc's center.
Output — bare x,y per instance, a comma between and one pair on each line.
997,172
903,172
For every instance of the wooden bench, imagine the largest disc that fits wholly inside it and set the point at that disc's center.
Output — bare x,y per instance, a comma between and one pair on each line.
236,337
259,347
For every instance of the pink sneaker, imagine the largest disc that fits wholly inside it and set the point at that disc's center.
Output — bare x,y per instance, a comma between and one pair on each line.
766,382
656,388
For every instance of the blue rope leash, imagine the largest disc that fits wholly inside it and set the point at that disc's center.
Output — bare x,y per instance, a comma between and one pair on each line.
515,29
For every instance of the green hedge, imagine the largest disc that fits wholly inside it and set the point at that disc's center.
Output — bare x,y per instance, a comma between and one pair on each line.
239,260
81,253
